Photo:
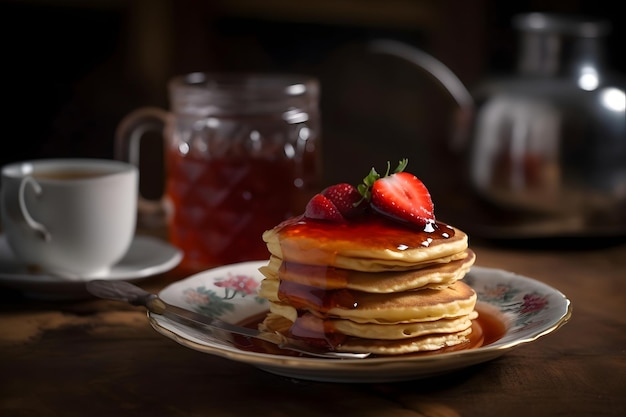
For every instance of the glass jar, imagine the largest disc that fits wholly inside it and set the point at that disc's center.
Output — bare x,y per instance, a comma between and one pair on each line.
241,154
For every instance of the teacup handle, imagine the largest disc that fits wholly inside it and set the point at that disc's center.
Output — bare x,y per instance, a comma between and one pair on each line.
39,228
128,136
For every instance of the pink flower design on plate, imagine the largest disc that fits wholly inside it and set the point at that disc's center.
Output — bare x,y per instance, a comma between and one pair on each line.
242,284
533,303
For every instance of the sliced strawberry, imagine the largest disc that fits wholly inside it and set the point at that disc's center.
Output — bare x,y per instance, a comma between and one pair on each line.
403,196
346,198
320,207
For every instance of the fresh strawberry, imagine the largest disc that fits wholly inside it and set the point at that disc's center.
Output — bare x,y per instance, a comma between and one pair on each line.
403,196
346,198
399,195
321,208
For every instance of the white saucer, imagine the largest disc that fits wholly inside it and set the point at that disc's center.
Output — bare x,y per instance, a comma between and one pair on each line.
147,256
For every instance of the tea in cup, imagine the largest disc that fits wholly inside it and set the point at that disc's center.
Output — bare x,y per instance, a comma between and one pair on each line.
73,218
241,154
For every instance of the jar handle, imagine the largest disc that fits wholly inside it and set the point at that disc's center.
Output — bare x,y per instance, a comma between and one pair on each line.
128,136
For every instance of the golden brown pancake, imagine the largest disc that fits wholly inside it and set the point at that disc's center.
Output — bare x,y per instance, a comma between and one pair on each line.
383,308
426,341
434,276
399,347
362,247
387,331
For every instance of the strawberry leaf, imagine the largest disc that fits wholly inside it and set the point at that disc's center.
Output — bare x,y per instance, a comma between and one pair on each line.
401,165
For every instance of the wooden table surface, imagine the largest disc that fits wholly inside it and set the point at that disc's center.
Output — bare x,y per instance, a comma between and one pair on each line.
101,358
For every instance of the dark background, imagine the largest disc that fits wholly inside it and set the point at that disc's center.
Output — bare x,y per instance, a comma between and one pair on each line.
72,69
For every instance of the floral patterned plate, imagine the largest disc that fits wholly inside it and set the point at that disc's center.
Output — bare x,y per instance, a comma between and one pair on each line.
526,309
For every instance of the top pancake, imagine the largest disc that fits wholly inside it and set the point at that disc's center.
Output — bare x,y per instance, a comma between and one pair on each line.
371,246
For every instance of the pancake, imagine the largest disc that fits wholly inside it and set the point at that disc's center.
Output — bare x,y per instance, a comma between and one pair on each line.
400,347
313,324
371,245
403,330
425,340
382,308
433,275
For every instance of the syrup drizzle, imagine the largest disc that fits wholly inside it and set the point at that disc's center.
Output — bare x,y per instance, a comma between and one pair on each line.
370,230
303,297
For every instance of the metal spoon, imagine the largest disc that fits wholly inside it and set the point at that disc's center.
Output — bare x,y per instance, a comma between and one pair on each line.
132,294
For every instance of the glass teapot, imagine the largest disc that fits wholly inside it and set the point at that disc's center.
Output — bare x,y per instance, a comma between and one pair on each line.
551,138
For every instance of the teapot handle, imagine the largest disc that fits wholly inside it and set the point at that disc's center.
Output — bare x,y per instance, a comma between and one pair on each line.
440,72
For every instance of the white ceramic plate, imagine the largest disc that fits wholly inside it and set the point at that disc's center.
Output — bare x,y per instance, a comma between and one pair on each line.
147,256
528,308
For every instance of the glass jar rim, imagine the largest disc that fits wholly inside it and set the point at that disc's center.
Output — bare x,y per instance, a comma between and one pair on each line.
245,84
207,93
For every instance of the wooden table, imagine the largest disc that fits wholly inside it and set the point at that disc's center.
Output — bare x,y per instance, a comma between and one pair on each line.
102,358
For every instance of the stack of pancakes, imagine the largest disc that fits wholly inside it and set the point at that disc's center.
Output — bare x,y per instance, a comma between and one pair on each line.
368,292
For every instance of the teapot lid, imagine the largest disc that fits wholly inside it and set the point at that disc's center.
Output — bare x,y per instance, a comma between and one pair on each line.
559,23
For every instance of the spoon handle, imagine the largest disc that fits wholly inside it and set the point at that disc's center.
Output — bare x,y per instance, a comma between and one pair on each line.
130,293
119,291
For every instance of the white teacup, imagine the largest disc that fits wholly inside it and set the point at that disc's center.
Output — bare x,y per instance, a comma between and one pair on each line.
73,218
